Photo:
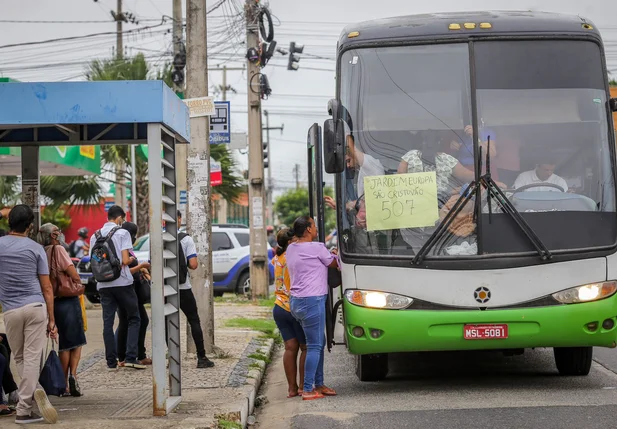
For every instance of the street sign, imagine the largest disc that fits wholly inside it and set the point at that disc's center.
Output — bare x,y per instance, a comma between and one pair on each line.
216,173
202,106
108,205
220,123
238,141
182,197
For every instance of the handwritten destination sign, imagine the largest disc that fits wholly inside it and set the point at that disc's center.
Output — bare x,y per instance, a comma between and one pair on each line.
401,201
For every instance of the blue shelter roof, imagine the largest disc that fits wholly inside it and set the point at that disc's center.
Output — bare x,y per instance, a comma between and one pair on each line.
88,113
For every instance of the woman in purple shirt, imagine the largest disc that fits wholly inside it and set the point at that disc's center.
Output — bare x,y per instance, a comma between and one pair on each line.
308,262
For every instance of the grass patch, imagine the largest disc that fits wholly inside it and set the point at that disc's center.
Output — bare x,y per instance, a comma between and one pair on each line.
226,424
260,356
254,365
241,299
278,340
265,326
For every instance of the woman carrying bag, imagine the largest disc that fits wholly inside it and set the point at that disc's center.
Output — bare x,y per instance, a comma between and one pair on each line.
67,306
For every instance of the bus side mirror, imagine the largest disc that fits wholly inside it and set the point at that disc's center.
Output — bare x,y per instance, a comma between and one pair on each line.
613,103
334,147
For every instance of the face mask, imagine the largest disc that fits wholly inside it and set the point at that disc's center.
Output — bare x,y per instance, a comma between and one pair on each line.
61,239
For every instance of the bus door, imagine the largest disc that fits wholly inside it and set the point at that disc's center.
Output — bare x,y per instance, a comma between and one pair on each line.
316,210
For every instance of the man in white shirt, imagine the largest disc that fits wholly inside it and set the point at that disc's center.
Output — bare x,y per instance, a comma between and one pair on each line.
188,304
543,173
119,293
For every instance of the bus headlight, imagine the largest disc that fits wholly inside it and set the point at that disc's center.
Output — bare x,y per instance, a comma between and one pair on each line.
373,299
586,293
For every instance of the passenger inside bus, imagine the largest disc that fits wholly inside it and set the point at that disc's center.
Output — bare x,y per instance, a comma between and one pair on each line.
462,148
355,219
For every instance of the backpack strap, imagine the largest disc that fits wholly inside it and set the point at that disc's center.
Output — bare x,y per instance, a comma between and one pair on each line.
97,234
112,232
181,236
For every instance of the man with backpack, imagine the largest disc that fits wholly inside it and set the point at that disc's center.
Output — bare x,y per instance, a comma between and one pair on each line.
187,259
110,260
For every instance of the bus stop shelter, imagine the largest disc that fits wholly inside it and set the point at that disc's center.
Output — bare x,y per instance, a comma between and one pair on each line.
36,115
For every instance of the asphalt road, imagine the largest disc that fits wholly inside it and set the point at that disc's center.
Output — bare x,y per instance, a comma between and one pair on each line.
452,390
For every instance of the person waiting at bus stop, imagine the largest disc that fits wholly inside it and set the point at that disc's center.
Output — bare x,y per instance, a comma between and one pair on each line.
308,263
290,328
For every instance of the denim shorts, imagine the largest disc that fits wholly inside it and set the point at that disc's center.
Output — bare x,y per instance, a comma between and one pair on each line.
290,328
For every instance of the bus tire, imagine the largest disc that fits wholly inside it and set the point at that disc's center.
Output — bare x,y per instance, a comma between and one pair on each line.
573,360
372,367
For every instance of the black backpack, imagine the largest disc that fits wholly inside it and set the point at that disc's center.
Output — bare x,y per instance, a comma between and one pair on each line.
73,249
104,261
182,262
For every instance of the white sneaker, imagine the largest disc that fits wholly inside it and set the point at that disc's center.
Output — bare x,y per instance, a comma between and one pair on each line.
46,409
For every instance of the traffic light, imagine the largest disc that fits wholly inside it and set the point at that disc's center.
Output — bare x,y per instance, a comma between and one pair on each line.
265,147
293,62
177,75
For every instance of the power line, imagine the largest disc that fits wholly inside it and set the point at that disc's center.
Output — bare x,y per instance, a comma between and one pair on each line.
40,42
19,21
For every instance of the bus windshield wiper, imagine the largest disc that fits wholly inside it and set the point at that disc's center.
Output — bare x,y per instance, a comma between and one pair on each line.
487,182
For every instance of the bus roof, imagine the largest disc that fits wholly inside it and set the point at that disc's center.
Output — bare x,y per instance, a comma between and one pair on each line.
437,25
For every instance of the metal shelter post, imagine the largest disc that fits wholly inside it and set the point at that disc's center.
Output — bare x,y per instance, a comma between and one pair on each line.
163,254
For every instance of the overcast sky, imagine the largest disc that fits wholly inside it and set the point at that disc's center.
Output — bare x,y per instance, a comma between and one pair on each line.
299,98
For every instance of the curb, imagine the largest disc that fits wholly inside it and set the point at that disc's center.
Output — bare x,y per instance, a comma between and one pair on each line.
240,410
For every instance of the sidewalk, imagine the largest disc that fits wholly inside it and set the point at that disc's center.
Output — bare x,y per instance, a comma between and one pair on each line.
124,398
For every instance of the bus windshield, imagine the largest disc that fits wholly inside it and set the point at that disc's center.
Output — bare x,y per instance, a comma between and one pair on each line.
412,150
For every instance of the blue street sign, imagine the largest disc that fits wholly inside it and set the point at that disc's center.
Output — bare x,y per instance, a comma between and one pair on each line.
220,123
182,197
108,205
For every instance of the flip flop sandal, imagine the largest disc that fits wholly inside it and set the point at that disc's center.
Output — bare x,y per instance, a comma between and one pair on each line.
311,396
326,391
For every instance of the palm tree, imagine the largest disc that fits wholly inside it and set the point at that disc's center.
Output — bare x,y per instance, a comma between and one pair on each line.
137,68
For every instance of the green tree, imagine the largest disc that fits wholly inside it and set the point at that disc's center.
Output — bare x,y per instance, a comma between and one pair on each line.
295,203
56,216
137,68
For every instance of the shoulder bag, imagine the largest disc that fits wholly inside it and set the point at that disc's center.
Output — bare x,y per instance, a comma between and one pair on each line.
63,285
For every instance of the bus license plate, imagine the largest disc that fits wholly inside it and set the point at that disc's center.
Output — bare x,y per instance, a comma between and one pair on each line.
485,332
84,281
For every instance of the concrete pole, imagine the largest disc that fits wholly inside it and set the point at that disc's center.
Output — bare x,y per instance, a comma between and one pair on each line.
120,197
133,185
224,83
269,185
30,183
199,212
180,149
119,18
259,252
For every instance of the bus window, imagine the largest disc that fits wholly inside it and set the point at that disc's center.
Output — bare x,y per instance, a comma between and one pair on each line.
558,123
408,110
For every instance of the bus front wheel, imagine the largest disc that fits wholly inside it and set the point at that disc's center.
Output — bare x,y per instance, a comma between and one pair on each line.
372,367
573,360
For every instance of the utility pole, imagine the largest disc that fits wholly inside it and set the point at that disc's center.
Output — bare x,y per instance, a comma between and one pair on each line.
224,83
269,167
296,171
120,197
181,150
199,213
119,18
259,251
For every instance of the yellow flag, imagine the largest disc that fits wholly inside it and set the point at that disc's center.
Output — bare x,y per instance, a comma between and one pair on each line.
401,201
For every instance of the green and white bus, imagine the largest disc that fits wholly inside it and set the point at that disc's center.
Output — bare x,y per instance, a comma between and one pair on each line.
474,157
